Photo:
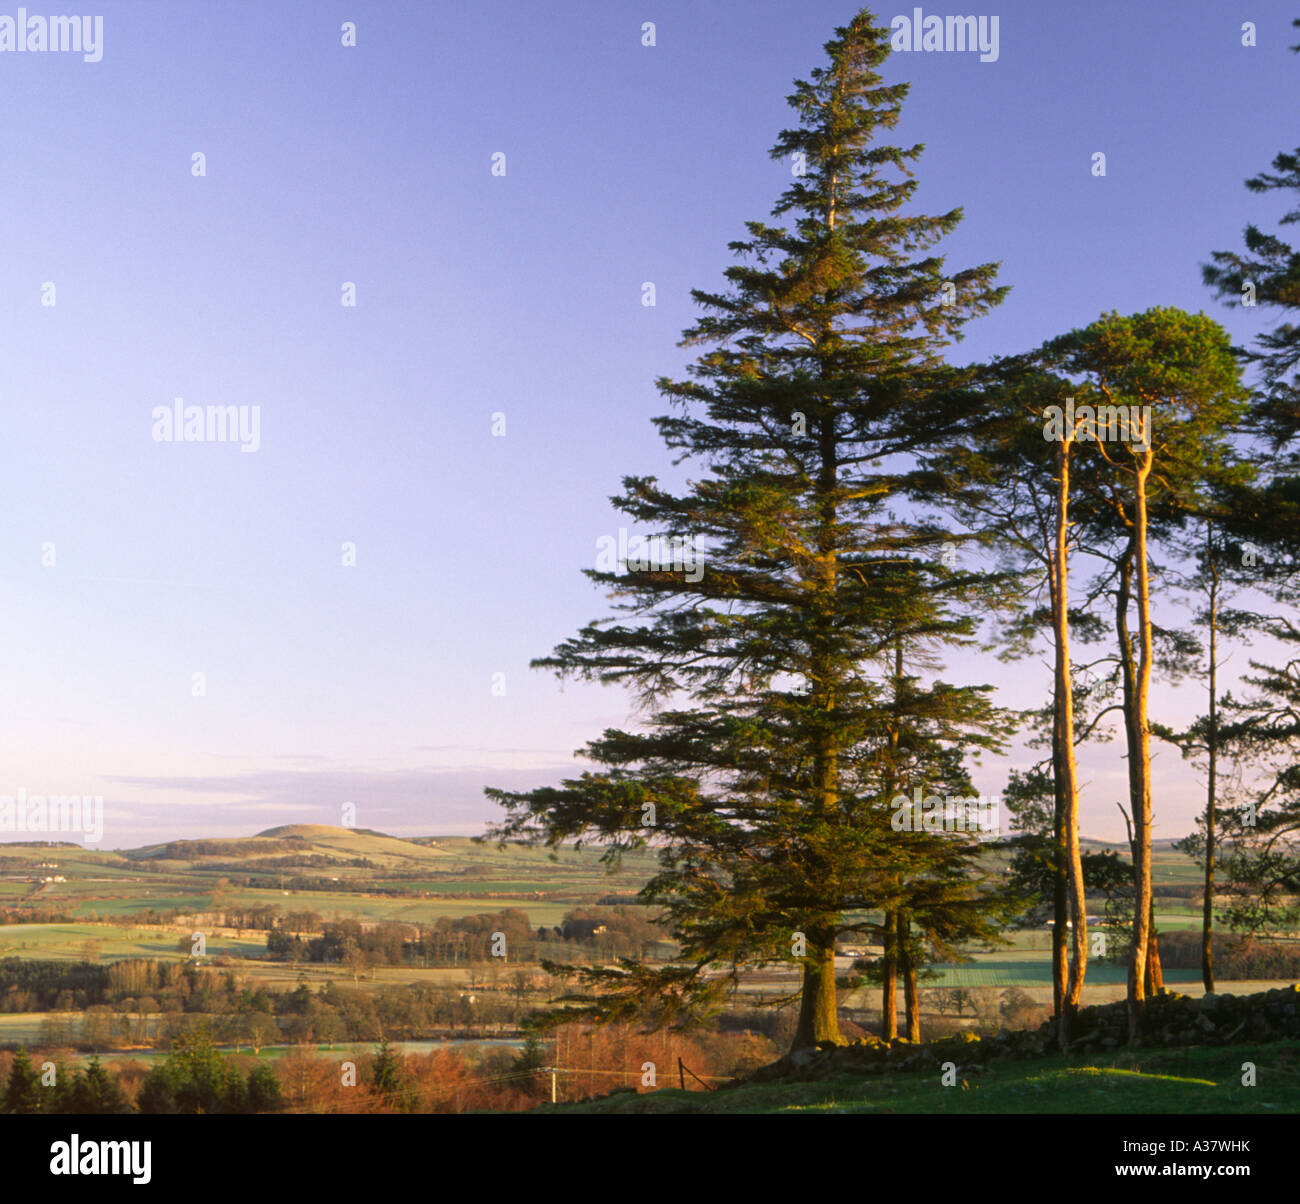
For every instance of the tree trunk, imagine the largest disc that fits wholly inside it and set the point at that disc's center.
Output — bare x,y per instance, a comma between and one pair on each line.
1129,677
911,997
1069,789
1060,883
1141,727
1211,794
889,987
1155,973
889,966
818,1010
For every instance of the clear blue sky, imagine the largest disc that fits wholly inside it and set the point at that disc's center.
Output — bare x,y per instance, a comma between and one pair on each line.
476,294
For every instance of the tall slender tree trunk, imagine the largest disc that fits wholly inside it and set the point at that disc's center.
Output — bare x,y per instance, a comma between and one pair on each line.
1141,728
1129,679
1211,791
889,962
889,984
1064,692
913,1000
1154,978
1155,972
911,997
1060,883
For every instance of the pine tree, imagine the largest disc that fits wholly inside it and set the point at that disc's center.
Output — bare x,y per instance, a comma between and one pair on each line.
763,775
263,1090
194,1079
160,1090
388,1077
1211,584
1161,390
23,1092
95,1092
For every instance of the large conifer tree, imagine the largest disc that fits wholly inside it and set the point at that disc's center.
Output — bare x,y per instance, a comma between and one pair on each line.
778,724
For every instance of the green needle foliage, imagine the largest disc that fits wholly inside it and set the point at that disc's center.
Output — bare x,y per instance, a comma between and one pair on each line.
783,689
23,1091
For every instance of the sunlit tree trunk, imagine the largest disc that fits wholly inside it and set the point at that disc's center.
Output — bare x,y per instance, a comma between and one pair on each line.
911,997
1067,767
1211,794
889,986
1141,763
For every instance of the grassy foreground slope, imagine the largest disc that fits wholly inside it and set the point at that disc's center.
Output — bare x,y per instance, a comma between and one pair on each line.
1193,1081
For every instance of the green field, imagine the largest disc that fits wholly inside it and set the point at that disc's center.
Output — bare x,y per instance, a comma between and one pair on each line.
337,905
424,879
67,942
25,1027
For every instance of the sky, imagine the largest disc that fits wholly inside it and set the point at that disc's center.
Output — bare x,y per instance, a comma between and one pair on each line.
182,628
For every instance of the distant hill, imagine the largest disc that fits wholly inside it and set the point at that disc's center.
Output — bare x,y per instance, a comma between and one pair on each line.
337,861
317,846
307,831
452,866
1121,846
288,839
